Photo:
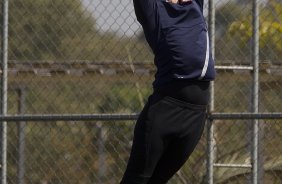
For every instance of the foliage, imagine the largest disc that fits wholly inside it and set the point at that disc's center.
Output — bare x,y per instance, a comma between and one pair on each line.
270,31
226,47
70,152
38,29
57,152
63,30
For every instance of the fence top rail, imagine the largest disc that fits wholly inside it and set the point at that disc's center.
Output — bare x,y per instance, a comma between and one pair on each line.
129,116
69,117
245,115
78,67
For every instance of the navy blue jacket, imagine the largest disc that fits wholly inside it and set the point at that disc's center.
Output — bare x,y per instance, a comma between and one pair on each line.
177,35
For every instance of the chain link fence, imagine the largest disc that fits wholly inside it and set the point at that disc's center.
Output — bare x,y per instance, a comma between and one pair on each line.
79,71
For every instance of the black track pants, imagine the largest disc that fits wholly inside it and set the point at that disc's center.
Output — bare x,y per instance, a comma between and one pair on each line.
166,133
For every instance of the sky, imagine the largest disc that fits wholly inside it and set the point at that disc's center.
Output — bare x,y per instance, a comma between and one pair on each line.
118,15
113,15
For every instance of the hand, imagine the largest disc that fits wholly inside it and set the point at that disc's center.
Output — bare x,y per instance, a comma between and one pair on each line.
179,1
172,1
184,1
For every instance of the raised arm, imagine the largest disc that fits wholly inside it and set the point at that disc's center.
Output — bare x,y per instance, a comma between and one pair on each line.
144,10
201,4
146,14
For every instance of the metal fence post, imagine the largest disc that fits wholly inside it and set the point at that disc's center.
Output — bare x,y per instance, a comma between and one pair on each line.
255,93
210,127
101,151
210,159
4,85
21,133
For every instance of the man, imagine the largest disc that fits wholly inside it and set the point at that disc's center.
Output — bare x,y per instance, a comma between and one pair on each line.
171,123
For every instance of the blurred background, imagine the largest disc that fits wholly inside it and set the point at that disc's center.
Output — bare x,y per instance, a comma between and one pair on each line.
77,57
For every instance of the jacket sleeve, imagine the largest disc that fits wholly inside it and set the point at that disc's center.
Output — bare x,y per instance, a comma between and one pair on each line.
201,4
144,10
146,14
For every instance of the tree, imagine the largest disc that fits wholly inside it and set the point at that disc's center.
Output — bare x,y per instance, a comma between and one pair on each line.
63,30
40,29
270,31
